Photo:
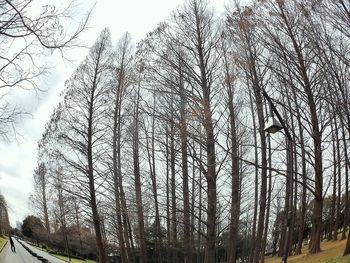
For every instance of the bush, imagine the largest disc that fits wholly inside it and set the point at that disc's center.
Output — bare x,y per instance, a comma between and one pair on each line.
51,251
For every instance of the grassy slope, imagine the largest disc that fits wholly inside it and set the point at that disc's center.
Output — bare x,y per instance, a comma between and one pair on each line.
75,260
332,252
3,240
64,258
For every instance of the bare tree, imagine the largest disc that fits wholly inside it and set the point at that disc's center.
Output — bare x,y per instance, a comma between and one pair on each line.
62,204
244,33
151,156
235,169
29,31
123,60
199,38
81,125
136,166
298,59
41,193
172,119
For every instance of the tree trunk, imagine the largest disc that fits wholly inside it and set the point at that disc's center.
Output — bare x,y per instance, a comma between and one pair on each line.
315,132
266,228
288,202
193,200
137,175
62,213
347,247
93,202
77,222
338,180
256,85
46,214
123,252
188,245
303,164
347,165
235,176
173,189
317,212
121,212
168,196
256,181
292,169
199,236
152,167
334,193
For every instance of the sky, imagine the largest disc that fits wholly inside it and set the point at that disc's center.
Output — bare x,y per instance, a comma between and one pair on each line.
18,158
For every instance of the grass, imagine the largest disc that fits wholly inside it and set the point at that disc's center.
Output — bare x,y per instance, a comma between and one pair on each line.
332,252
3,240
75,260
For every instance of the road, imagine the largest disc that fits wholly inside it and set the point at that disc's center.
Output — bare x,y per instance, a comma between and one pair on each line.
23,256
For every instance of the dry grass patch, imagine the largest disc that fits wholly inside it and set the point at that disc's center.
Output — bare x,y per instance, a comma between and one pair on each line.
332,252
74,260
3,240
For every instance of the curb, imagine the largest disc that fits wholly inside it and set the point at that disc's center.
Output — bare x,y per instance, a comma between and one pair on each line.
60,258
3,246
44,260
44,250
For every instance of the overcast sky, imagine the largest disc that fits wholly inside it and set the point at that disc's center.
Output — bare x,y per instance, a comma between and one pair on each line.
19,158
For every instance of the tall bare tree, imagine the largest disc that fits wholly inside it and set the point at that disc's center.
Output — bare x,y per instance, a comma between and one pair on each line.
122,71
299,58
136,167
41,193
244,31
81,124
235,169
199,39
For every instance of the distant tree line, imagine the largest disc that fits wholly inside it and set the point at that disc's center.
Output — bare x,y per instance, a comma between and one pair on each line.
81,241
162,150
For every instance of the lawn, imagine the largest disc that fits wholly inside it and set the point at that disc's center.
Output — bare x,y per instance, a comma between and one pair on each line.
3,240
332,252
75,260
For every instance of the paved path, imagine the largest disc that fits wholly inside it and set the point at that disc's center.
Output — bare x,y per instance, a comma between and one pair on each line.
21,255
46,255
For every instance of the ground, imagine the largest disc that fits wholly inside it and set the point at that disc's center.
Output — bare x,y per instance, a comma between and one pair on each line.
75,260
3,240
332,252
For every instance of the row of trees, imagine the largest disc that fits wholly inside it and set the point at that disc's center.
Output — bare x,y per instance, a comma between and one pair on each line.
29,31
164,148
80,242
4,217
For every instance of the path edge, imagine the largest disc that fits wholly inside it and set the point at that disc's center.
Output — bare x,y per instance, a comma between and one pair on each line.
3,246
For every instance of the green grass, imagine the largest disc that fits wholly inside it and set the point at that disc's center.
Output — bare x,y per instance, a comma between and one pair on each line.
75,260
332,252
3,240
